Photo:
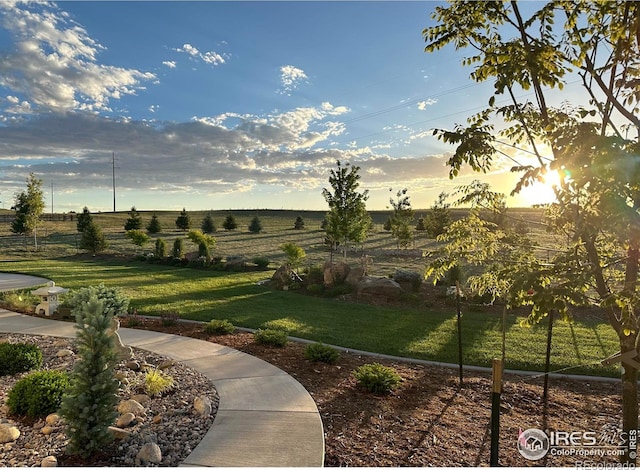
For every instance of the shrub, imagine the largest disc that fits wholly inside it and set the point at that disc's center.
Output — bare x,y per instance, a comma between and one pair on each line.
161,249
19,357
138,237
208,226
261,262
38,394
230,223
256,225
271,337
134,222
154,225
219,327
183,221
377,378
21,301
157,382
114,301
178,248
299,223
319,352
89,407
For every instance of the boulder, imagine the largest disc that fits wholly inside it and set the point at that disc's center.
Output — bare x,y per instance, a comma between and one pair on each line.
8,433
125,420
149,453
355,276
381,290
335,273
49,461
202,406
131,406
408,280
282,277
119,433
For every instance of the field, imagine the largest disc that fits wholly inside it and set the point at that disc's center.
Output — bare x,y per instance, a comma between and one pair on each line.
419,329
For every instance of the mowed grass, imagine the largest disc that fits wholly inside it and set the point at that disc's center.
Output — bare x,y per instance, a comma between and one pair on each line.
409,332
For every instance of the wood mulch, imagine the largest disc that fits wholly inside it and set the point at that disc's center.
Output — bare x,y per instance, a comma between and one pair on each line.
429,420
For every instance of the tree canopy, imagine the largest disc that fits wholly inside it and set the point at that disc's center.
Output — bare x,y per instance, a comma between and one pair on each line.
592,144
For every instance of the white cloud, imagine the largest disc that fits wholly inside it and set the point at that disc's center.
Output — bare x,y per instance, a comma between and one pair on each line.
290,78
169,63
53,67
422,105
210,57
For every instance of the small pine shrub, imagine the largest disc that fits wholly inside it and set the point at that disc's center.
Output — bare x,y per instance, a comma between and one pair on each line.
19,357
261,262
271,337
157,382
377,378
319,352
178,248
161,249
219,327
256,225
38,394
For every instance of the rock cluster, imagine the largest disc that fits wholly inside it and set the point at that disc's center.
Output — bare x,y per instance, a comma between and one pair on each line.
159,431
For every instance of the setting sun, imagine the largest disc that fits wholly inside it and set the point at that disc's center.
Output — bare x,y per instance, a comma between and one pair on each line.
541,192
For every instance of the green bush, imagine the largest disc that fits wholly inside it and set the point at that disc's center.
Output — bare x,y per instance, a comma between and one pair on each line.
271,337
161,249
19,357
319,352
261,262
38,394
219,327
377,378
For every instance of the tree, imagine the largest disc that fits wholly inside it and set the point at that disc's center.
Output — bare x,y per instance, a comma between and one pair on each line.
84,219
89,407
299,223
29,206
295,254
160,251
256,225
93,239
178,248
183,222
439,217
230,223
208,226
586,143
134,222
154,225
347,220
401,219
200,238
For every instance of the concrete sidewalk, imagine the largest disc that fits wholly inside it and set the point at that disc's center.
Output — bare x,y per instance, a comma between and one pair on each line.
265,417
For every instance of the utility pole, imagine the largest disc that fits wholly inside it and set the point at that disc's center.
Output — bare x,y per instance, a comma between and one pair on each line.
113,172
51,199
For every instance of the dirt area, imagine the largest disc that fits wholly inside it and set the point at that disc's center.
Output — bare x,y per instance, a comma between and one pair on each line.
430,420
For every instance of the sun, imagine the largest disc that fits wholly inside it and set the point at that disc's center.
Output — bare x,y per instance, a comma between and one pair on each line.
541,192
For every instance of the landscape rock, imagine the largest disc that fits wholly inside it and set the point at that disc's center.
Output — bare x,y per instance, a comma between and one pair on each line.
202,406
52,419
64,353
335,273
133,365
408,280
49,461
131,406
142,398
355,276
125,420
119,433
282,277
380,290
46,430
150,453
8,433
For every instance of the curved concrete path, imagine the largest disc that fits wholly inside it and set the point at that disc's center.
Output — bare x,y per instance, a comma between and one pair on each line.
10,281
265,417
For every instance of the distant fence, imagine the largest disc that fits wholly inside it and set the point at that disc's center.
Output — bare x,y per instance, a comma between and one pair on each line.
8,218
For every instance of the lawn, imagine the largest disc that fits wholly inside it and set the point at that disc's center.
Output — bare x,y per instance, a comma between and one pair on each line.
410,332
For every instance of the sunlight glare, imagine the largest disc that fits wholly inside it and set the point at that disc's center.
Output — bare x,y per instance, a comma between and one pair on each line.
542,192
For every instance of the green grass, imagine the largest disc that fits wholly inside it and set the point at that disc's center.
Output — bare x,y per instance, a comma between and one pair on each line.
409,332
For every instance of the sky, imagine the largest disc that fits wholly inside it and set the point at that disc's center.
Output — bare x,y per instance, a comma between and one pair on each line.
228,105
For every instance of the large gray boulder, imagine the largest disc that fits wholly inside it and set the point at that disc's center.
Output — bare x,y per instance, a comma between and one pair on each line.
335,273
379,290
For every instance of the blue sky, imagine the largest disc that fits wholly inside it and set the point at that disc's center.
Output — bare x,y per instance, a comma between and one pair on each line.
219,105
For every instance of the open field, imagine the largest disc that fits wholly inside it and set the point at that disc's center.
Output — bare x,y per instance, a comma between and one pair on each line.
423,330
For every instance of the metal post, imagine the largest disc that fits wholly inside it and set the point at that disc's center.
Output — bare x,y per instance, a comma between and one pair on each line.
495,411
459,312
